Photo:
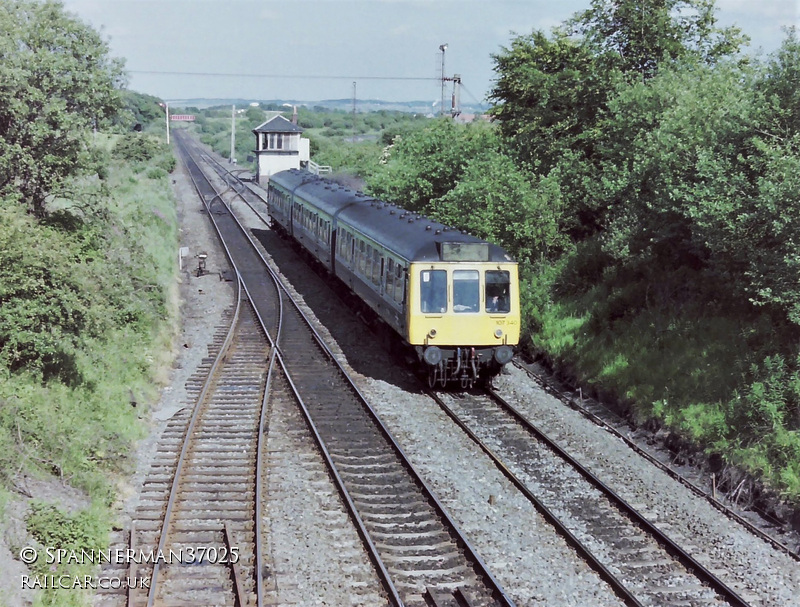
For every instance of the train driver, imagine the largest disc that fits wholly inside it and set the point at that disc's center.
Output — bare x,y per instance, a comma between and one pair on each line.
497,298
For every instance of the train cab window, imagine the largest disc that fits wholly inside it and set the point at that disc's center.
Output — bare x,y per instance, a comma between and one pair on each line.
466,291
433,291
498,290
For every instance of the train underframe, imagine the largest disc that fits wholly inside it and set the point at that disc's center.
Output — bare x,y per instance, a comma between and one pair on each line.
463,366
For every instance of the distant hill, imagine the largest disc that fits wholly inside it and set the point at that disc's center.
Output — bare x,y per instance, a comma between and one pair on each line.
362,105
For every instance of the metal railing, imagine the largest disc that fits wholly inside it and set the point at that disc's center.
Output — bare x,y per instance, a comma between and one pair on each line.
318,169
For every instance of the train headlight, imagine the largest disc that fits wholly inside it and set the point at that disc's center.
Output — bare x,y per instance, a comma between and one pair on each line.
433,356
432,333
498,333
503,354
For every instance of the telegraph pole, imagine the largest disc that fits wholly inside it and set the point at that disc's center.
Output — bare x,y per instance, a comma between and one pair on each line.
354,112
443,48
455,106
232,158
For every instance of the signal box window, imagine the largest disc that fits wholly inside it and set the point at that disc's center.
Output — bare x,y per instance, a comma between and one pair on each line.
466,291
433,291
498,290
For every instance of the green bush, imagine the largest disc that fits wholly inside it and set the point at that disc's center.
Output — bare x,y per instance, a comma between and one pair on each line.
138,147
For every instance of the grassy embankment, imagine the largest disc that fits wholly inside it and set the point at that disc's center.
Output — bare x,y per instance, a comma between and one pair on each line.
89,305
716,377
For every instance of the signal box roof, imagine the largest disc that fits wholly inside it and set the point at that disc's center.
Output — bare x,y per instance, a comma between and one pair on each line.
278,124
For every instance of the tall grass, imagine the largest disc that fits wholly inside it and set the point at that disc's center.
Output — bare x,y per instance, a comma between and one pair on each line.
94,346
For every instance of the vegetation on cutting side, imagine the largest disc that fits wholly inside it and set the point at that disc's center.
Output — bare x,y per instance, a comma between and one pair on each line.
88,239
646,175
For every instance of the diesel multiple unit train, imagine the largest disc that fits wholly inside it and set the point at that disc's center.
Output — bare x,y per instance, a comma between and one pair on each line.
451,297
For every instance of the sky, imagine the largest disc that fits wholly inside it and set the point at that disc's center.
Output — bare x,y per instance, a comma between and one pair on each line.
311,50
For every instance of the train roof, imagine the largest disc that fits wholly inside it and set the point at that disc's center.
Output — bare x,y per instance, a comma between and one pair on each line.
412,236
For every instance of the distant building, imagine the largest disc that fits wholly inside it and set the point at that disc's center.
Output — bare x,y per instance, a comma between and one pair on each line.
279,147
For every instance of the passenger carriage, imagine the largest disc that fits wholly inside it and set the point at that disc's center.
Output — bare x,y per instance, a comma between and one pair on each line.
450,296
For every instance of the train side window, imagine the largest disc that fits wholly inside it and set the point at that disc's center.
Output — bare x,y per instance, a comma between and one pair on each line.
466,291
376,267
398,283
390,277
362,257
433,291
498,290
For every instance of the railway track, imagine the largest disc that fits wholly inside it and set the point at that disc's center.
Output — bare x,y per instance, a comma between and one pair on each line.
418,552
210,515
635,557
599,415
643,568
199,504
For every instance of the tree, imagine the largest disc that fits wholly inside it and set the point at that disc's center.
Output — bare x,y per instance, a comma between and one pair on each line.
781,80
139,108
495,200
636,36
553,91
426,164
56,82
548,95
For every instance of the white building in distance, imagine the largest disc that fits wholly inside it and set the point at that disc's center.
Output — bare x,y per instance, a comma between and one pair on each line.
279,147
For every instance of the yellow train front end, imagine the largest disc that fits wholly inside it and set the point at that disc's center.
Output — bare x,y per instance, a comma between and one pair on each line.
463,318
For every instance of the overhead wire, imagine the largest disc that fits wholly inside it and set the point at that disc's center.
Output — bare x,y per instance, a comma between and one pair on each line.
296,76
